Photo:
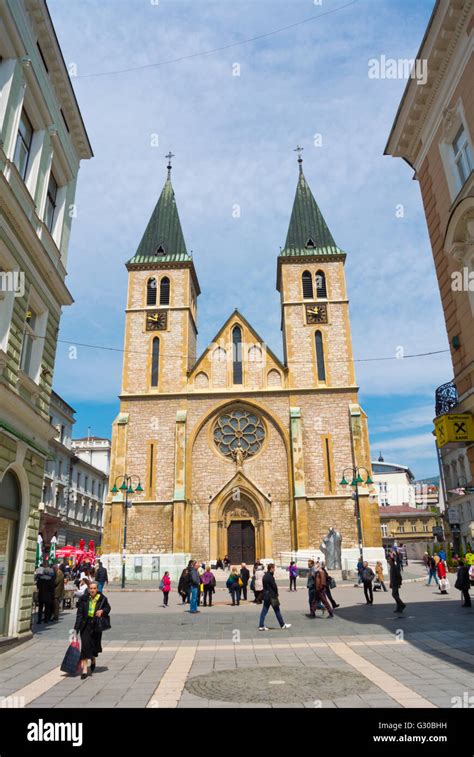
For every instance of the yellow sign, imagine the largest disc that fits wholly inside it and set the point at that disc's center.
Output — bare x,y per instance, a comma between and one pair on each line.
454,428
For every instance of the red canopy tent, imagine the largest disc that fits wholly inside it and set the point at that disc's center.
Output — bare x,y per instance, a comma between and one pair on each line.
76,554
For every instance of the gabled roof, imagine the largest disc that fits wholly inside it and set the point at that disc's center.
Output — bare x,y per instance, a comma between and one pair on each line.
308,232
163,240
236,315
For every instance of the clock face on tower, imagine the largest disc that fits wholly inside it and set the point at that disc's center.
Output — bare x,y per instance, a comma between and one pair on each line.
317,313
156,320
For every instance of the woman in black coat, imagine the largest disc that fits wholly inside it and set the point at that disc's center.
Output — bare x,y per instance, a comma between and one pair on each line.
90,607
463,583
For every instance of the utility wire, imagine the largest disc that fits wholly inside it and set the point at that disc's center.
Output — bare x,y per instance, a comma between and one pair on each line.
216,49
73,343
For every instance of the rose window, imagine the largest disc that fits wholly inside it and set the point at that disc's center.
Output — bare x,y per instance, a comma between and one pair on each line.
239,430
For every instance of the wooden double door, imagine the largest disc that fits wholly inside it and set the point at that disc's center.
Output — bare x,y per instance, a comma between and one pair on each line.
241,542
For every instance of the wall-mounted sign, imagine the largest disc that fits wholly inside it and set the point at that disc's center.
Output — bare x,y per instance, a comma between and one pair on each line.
453,515
454,428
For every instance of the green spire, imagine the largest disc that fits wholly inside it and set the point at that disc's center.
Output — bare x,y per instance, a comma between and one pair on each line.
308,233
163,240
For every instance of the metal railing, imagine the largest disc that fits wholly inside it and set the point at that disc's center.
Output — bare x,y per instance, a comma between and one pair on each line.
446,397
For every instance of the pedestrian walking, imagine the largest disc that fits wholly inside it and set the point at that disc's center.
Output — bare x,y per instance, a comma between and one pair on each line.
395,582
165,587
184,586
245,578
368,576
91,607
270,599
330,584
83,587
311,586
258,582
463,583
320,597
442,577
359,568
426,562
293,571
432,571
58,591
234,585
101,577
195,583
209,582
45,580
379,575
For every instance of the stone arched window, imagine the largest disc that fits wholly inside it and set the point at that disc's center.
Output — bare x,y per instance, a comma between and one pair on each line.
321,290
165,291
274,378
307,281
255,354
202,380
320,363
151,291
237,374
155,361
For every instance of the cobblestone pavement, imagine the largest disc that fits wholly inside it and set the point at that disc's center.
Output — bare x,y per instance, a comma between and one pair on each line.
367,656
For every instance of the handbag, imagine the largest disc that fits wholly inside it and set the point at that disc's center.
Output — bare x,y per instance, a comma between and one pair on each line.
102,622
332,582
241,583
275,602
72,659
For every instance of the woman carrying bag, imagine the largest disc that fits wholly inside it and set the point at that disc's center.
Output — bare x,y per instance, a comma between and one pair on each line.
92,618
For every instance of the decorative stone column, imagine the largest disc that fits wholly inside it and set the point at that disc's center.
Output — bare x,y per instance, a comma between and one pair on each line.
179,496
299,491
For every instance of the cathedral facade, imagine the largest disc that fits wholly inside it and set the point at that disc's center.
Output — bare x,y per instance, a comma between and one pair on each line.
238,452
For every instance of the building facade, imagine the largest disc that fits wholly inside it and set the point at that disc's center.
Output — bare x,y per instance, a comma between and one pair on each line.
394,482
409,527
238,452
74,490
42,141
434,133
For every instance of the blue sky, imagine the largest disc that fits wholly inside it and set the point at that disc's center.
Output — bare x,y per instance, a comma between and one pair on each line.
233,137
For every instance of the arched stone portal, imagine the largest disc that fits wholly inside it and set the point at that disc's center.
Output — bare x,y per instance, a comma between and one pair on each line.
240,525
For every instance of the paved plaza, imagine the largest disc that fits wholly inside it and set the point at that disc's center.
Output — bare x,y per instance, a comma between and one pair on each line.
367,656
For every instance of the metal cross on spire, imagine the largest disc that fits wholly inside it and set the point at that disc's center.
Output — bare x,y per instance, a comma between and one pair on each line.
169,156
299,150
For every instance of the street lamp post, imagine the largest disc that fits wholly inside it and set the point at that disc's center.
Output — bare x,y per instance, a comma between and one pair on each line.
126,488
356,480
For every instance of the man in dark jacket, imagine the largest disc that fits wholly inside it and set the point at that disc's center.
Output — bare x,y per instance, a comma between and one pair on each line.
245,578
45,582
101,577
368,576
270,597
195,581
395,581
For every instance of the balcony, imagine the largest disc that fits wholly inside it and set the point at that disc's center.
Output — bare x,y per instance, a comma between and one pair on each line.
446,398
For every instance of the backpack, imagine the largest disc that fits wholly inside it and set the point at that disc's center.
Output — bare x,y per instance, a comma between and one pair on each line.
162,586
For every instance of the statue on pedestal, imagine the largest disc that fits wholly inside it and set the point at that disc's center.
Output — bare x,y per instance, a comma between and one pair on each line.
331,549
239,457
